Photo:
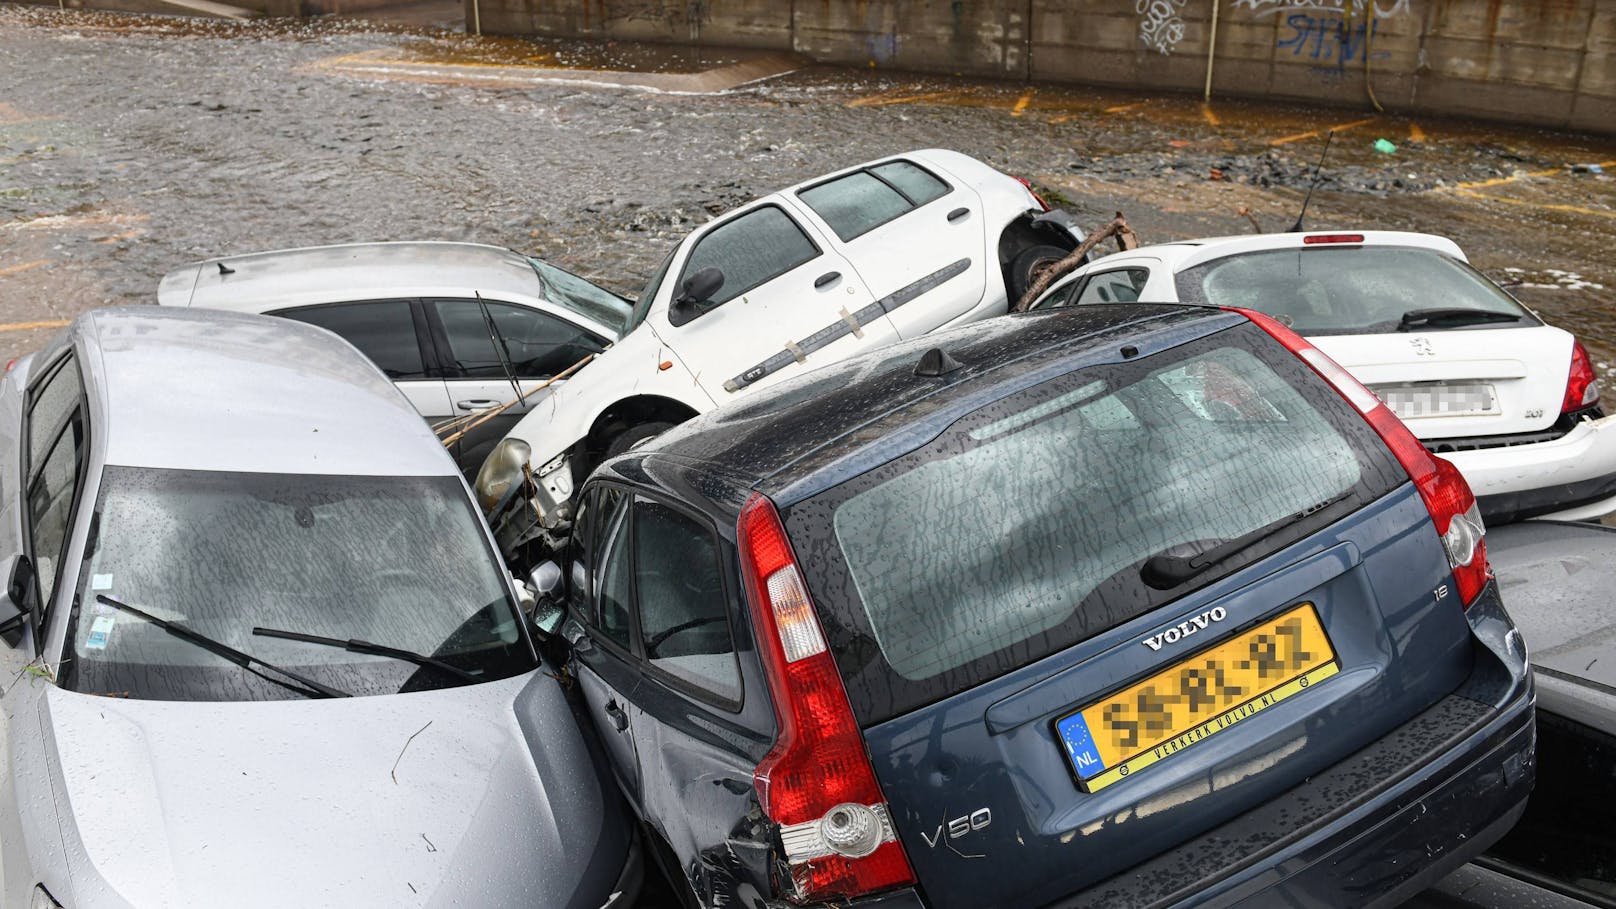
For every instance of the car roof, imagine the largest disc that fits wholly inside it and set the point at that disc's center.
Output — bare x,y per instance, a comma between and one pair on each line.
1183,254
800,437
211,390
259,281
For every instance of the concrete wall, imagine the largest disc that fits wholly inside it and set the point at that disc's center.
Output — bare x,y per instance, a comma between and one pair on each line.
1549,62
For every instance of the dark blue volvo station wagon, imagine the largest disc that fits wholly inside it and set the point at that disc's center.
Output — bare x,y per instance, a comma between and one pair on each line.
1110,606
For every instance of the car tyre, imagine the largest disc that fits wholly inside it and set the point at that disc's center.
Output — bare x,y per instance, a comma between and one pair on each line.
1028,264
634,435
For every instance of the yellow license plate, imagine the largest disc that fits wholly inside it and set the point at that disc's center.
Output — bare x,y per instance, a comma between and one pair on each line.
1199,697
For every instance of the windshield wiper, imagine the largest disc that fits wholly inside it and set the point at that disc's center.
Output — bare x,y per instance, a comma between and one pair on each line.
353,645
309,687
1165,571
1452,317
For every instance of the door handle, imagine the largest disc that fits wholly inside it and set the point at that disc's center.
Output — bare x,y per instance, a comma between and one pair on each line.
477,404
619,718
828,278
957,214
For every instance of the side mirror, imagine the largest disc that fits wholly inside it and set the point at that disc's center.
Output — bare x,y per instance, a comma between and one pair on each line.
547,610
14,608
700,287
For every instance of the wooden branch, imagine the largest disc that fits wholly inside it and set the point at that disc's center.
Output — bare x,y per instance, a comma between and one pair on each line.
484,416
1126,240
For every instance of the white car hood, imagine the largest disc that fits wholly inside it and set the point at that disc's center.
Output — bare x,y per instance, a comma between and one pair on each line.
467,796
1526,367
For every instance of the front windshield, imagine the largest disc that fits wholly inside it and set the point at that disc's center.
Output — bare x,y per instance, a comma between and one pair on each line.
1341,290
592,301
648,296
396,561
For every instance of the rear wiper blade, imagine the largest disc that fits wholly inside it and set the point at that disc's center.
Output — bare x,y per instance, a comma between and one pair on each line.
305,685
1452,317
1165,571
354,645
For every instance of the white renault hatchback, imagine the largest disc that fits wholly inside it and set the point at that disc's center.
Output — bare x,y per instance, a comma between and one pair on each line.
889,249
1480,379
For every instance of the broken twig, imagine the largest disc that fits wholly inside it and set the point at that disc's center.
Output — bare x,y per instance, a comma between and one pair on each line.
1118,227
394,772
483,416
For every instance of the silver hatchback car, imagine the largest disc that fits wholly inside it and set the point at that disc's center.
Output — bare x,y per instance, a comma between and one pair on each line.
259,650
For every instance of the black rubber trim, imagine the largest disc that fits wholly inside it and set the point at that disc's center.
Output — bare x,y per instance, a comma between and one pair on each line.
1504,507
1271,827
839,329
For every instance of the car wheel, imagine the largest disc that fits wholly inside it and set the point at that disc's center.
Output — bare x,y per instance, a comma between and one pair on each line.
634,435
1028,265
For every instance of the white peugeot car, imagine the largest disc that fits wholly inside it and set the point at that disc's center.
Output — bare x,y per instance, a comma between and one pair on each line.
1481,380
890,249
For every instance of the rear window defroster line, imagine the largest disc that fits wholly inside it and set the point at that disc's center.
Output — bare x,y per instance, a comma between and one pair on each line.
798,352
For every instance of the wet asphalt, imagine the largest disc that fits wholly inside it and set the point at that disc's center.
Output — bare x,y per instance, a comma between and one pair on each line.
130,145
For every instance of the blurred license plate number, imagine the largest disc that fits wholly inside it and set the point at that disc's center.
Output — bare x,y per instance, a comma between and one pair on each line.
1416,401
1199,697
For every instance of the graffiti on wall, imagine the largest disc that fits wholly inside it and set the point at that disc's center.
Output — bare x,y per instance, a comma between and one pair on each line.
1378,9
1329,38
1160,26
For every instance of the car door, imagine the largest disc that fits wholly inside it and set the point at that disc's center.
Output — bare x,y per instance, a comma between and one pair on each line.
477,341
916,240
699,738
392,333
788,301
599,626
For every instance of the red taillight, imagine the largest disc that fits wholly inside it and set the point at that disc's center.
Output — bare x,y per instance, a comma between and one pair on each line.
816,782
1447,495
1314,239
1582,385
1040,199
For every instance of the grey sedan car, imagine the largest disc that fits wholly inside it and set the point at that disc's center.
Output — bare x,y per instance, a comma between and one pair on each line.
259,650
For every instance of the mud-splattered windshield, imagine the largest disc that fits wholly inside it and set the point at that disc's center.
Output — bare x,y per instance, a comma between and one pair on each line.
394,561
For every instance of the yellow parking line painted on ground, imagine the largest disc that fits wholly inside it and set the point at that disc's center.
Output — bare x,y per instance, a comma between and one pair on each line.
1500,181
30,326
1286,140
1022,102
16,269
1547,206
1211,118
882,100
1415,134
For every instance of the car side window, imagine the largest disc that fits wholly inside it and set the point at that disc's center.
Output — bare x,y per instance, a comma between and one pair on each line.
856,203
537,345
684,615
1059,297
616,576
56,432
383,330
751,250
1120,286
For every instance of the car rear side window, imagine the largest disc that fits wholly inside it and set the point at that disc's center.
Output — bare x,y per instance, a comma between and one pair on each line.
751,250
684,615
859,202
616,583
383,330
1023,528
1120,286
1336,290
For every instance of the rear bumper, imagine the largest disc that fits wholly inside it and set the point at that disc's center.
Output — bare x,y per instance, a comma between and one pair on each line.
1382,824
1564,478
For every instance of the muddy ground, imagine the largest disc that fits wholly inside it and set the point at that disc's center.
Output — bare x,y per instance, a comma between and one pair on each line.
133,144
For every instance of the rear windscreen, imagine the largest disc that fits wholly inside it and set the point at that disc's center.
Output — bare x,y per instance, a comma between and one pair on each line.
1023,528
1336,290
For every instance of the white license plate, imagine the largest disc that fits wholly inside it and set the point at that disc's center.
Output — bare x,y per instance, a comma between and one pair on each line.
1439,400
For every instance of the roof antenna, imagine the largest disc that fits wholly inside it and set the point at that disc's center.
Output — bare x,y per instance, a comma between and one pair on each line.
225,269
1297,227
